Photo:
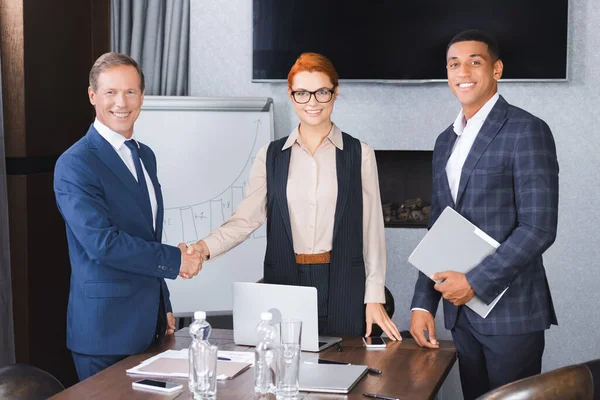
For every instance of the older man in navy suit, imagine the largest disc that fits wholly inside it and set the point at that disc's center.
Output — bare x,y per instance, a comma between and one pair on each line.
108,193
497,166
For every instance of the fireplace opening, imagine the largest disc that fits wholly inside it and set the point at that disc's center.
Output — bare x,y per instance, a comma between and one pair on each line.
405,186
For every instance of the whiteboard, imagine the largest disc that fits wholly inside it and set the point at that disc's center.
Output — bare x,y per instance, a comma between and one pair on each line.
205,148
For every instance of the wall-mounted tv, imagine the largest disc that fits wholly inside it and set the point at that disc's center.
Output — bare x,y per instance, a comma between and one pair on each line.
405,40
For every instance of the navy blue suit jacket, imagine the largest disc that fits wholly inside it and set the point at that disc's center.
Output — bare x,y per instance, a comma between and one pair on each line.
509,189
118,264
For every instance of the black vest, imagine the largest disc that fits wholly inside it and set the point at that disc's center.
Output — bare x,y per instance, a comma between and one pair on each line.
346,310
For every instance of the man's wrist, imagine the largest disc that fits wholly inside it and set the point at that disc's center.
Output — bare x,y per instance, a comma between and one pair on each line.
419,309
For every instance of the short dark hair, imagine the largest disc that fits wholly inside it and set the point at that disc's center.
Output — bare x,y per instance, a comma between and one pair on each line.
477,36
109,60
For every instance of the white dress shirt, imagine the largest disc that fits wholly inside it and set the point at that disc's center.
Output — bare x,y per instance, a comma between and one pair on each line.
312,191
467,132
117,141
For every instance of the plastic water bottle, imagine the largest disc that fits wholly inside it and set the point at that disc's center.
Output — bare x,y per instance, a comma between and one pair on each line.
264,356
199,331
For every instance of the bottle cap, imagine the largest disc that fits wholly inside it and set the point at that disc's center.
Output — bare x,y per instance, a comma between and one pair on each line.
200,315
266,316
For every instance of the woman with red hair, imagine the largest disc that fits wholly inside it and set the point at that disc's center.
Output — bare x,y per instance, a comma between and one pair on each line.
319,193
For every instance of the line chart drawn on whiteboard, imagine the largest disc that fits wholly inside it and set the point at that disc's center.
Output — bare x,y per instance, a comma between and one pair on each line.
205,149
191,222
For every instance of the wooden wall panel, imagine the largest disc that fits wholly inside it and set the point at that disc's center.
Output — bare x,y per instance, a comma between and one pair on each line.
47,50
17,221
57,106
48,284
13,76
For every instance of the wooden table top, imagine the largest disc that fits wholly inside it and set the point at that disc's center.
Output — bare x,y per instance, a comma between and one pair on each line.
409,372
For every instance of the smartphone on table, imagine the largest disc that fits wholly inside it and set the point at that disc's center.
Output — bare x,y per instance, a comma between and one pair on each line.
375,342
157,386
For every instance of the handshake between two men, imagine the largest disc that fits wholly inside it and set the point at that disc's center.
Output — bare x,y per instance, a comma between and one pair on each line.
192,258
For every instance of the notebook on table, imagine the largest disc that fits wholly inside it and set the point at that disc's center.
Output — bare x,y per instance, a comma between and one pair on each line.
176,364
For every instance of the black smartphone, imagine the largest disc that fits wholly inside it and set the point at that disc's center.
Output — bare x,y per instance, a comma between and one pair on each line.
159,386
374,342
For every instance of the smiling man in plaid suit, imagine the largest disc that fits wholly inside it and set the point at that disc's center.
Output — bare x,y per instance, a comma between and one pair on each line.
497,166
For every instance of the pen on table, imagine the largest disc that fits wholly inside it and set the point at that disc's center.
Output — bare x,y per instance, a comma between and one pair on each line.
378,396
223,359
375,371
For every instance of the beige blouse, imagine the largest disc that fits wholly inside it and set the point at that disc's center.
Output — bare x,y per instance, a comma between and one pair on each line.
312,196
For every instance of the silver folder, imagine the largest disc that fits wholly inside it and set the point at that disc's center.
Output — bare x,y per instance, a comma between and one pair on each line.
454,244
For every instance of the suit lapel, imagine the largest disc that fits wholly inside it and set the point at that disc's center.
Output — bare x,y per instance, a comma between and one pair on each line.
282,167
488,131
444,161
107,154
342,163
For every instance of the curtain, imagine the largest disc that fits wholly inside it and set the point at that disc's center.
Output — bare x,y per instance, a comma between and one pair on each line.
7,343
156,34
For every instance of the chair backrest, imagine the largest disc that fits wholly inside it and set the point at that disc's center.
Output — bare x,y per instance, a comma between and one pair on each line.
575,382
26,382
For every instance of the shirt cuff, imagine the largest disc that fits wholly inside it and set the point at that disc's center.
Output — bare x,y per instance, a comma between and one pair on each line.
214,247
374,293
421,309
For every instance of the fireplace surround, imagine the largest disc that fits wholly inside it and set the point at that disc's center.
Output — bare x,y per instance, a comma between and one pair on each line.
405,186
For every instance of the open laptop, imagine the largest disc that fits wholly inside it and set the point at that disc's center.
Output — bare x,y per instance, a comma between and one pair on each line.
283,301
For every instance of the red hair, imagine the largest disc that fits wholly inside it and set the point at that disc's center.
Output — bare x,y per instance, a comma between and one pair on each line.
313,62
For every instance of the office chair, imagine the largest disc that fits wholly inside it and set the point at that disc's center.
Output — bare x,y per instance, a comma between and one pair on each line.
26,382
575,382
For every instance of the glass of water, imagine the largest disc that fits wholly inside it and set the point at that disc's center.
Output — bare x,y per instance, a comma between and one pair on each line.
288,359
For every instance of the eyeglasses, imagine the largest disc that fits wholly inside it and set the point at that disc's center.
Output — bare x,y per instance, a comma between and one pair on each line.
323,95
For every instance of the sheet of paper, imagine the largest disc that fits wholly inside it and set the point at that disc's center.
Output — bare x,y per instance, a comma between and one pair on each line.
238,356
174,363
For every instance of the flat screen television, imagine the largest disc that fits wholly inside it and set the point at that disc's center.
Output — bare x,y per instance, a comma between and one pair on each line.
405,41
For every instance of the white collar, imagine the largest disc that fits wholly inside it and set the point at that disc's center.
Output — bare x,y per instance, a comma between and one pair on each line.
334,136
461,123
115,139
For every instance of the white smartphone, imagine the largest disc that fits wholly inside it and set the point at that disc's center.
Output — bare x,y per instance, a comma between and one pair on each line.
375,342
157,386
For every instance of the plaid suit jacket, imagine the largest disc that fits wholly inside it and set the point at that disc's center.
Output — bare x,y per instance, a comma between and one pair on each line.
509,189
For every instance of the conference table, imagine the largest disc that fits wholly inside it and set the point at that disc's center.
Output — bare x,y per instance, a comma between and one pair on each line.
409,372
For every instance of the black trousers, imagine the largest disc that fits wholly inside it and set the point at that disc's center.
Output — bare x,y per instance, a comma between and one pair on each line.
490,361
317,276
